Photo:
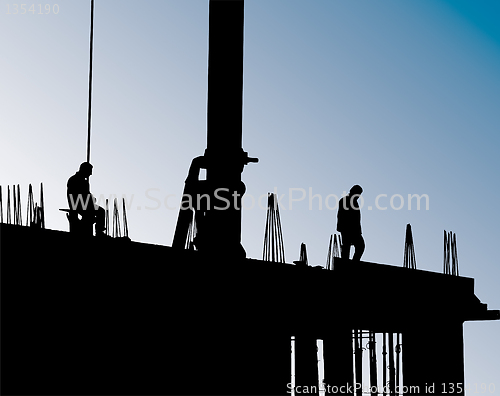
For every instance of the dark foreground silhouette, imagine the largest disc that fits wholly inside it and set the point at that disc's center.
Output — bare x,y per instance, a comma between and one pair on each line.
124,317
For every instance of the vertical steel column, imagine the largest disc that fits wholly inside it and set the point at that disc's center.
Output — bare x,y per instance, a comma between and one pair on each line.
225,81
384,363
306,363
391,364
431,359
373,364
219,224
358,363
398,358
338,360
224,121
264,366
224,155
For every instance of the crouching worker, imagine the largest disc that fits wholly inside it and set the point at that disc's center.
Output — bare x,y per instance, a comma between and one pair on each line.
81,202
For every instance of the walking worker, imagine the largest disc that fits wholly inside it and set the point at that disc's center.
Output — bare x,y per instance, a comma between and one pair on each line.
349,224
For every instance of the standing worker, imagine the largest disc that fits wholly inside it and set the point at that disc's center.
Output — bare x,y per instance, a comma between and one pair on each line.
349,224
81,201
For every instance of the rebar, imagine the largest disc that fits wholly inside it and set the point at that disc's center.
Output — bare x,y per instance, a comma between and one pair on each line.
274,248
106,218
125,223
9,216
41,209
191,234
116,221
450,255
337,246
409,260
454,256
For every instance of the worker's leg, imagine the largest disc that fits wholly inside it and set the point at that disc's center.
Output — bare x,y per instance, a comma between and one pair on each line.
346,246
359,247
86,224
100,218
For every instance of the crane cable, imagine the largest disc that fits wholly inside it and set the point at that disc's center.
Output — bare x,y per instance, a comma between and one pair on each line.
90,76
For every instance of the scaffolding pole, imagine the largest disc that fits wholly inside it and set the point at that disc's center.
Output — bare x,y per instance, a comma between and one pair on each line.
384,363
398,359
373,364
391,365
358,362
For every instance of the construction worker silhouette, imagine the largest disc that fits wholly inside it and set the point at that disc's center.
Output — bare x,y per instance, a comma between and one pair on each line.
349,224
81,202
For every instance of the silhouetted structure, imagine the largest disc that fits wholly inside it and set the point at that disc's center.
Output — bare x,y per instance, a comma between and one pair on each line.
9,216
337,246
91,58
349,224
106,222
191,235
274,249
117,232
35,216
329,257
17,205
219,231
302,261
409,256
450,254
333,250
34,212
137,318
115,218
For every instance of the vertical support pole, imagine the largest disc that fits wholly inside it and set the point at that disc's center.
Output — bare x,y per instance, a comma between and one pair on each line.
398,356
266,367
338,358
358,363
446,365
224,151
306,362
219,227
225,78
391,364
384,363
373,364
89,123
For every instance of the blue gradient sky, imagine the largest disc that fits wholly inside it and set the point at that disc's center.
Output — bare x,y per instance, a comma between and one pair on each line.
400,97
